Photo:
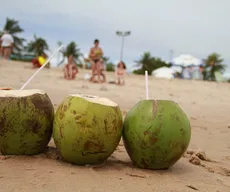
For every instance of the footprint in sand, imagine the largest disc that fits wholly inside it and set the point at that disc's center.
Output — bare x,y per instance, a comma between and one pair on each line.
84,87
103,89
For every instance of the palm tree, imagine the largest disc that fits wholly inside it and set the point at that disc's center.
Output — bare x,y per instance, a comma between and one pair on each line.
71,49
149,63
145,61
213,61
13,28
37,46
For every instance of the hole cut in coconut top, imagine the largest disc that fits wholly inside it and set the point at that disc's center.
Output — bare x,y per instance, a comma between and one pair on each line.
96,99
20,93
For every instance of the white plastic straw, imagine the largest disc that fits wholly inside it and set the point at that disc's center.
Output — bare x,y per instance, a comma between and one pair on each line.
47,61
146,85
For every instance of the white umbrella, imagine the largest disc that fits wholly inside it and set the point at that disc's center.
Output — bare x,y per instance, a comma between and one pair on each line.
186,60
163,72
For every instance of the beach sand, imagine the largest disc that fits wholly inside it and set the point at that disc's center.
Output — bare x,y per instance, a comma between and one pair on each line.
207,105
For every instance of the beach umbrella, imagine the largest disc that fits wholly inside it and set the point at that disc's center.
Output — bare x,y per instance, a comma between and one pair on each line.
163,72
186,60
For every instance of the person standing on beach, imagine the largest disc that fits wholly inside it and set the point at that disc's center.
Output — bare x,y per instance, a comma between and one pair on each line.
95,56
6,45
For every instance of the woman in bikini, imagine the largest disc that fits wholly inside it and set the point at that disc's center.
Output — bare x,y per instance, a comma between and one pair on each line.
95,59
120,73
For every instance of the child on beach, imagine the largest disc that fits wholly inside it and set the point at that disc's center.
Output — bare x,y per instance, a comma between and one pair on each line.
70,69
120,73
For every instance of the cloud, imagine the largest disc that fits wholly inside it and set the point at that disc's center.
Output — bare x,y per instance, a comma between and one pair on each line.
196,27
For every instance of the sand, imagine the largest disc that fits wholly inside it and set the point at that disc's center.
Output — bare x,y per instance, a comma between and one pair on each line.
207,105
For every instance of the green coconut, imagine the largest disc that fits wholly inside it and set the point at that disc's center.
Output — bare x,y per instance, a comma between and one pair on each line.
87,129
156,134
26,120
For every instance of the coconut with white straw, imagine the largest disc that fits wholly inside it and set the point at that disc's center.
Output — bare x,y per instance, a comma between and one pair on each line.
26,119
156,133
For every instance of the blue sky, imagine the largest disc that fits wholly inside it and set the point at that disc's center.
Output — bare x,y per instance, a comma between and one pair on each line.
194,27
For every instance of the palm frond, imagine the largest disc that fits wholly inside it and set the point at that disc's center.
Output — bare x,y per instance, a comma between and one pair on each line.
12,26
37,46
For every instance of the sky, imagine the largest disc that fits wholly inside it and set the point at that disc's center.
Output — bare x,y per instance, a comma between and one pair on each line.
186,27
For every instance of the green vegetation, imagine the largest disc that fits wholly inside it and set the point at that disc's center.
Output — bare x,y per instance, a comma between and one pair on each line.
213,63
13,27
37,46
71,49
149,63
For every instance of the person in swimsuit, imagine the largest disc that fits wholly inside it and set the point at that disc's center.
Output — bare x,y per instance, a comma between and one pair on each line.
95,56
70,69
120,73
